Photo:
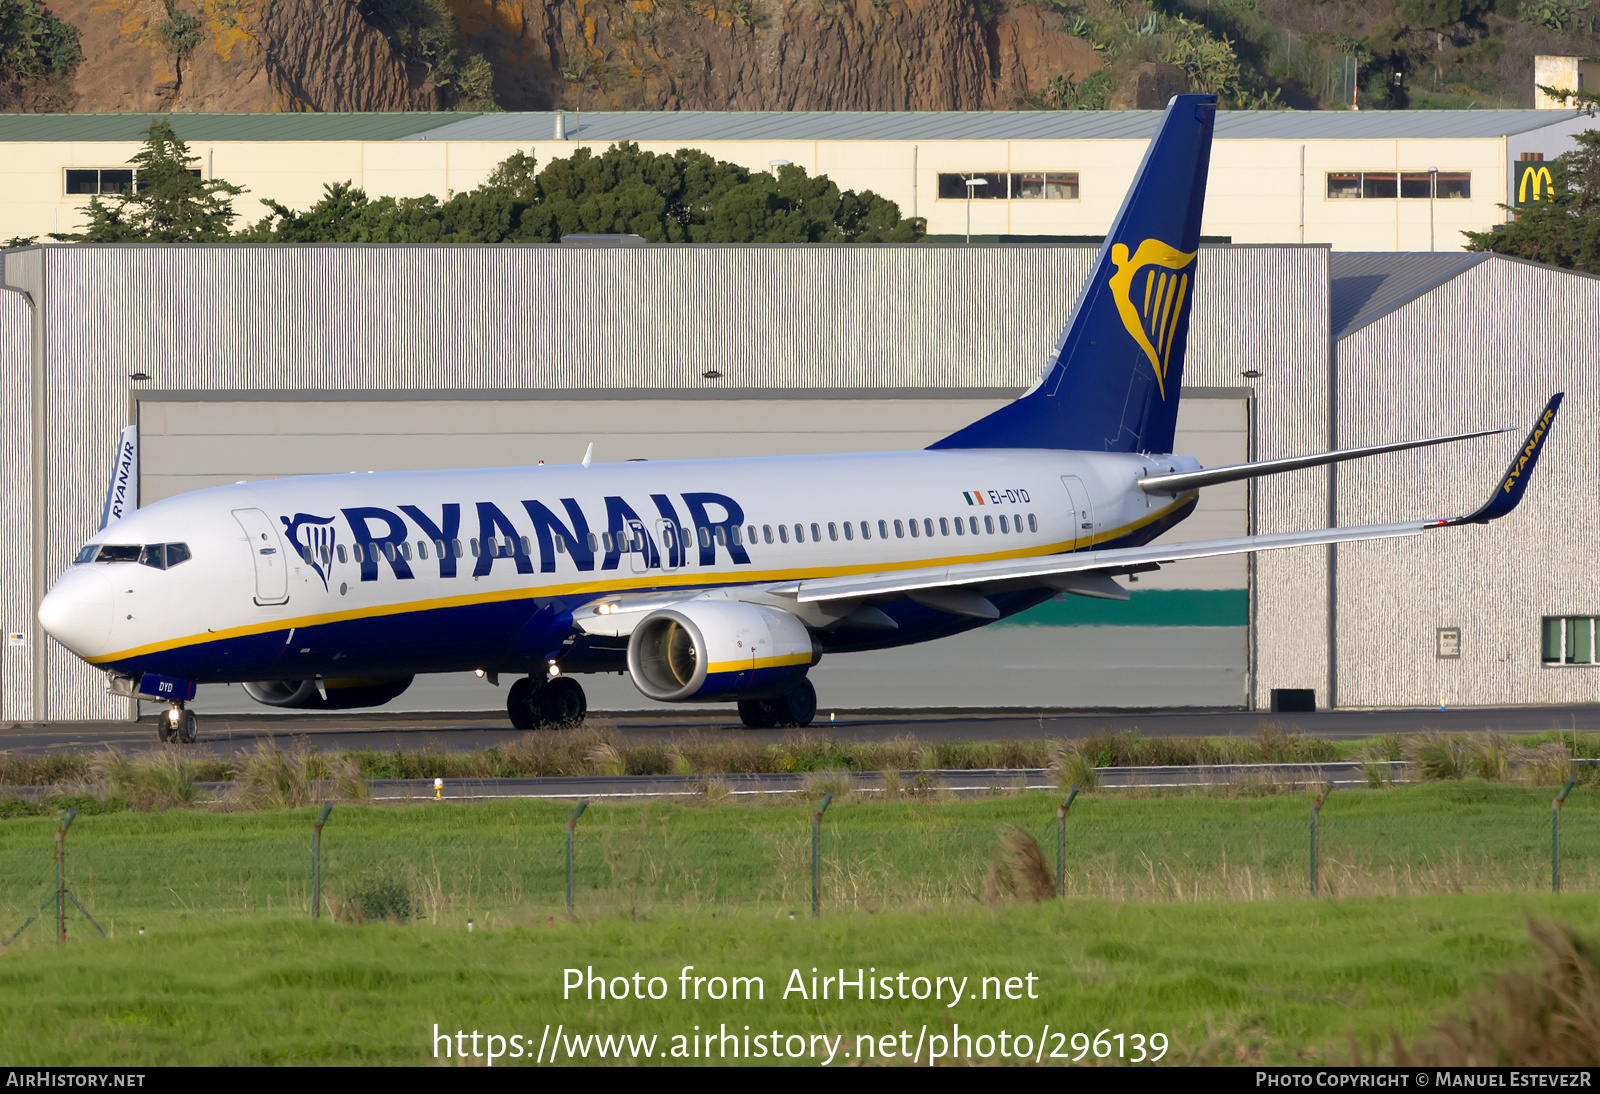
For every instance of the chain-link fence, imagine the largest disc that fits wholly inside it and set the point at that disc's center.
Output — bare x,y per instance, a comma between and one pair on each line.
909,846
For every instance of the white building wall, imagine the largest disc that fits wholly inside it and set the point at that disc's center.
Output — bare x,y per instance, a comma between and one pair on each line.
1257,191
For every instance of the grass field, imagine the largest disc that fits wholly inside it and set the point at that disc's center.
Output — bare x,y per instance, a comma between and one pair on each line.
1187,914
1276,982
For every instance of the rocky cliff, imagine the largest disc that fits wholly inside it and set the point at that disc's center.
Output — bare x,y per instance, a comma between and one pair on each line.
769,54
246,55
289,55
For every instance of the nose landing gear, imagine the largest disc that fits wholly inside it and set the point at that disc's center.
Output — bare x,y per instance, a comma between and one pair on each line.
554,703
178,724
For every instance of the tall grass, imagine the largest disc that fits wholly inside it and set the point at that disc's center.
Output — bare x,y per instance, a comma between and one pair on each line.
1547,1017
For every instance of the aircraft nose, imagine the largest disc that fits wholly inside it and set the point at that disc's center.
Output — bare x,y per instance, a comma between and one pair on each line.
78,611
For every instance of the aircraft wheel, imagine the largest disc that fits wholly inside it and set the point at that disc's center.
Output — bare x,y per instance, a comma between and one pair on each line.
186,727
165,729
519,704
797,708
561,703
757,713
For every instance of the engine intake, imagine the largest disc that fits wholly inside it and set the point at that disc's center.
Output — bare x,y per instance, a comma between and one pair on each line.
346,694
711,649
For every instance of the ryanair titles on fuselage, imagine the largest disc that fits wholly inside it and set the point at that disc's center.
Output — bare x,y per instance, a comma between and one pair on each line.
707,522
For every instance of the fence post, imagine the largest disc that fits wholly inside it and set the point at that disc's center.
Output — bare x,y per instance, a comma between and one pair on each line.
1061,842
1316,808
316,860
572,824
816,854
61,874
1555,834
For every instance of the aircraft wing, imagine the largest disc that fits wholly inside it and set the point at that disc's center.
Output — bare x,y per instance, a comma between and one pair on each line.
1508,493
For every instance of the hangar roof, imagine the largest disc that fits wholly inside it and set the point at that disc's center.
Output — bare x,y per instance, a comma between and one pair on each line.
1364,286
700,125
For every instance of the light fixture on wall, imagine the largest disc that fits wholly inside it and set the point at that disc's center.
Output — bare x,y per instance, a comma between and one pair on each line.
139,376
1251,374
711,374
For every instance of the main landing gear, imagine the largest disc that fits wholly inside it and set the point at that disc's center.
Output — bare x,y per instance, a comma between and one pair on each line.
177,725
555,703
796,708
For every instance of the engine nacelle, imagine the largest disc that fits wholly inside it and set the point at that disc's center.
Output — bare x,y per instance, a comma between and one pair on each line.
342,694
718,649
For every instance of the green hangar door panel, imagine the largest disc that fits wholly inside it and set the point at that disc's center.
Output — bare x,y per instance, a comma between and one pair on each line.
1180,640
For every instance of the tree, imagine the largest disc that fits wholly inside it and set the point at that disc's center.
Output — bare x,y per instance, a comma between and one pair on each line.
168,203
1563,230
685,197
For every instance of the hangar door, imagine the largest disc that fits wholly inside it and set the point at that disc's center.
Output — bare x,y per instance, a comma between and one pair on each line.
1180,641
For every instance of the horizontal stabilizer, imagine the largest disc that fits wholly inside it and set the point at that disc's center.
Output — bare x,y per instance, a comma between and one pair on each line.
1180,481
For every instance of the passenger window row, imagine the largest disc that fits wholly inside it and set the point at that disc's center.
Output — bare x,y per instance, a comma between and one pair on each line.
916,527
509,546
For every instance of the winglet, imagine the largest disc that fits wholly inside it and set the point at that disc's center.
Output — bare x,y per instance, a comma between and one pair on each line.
1515,481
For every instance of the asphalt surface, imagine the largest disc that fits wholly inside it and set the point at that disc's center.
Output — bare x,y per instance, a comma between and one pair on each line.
229,734
979,781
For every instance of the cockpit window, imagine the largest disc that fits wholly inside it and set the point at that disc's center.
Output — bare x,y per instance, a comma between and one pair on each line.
164,556
161,556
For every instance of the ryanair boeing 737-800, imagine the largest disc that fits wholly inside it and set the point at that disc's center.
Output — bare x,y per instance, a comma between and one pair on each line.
719,579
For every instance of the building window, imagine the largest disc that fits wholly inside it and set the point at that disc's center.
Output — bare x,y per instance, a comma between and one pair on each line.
1048,186
1350,185
1568,640
84,181
1020,186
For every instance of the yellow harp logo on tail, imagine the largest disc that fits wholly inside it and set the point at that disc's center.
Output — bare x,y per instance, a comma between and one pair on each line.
1154,323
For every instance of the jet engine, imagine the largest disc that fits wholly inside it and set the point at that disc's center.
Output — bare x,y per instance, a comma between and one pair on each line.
718,649
345,694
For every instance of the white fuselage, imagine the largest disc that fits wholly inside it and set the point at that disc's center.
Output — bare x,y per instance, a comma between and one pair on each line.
327,574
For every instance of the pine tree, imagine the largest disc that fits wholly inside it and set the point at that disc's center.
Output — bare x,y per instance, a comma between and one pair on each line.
169,203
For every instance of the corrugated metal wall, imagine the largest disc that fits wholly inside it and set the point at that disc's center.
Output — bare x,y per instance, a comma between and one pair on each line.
16,500
1484,349
442,318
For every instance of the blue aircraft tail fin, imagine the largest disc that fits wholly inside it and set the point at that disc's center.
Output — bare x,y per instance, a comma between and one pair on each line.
1117,371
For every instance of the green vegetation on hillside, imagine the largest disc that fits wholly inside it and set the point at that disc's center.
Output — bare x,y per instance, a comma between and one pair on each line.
38,56
426,33
1383,54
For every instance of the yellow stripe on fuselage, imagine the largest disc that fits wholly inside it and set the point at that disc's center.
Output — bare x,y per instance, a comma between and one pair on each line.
615,582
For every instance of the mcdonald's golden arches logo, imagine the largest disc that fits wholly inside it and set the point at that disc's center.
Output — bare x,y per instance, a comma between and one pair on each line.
1153,321
1533,181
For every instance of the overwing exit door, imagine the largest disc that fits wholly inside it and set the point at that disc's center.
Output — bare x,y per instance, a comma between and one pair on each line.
266,554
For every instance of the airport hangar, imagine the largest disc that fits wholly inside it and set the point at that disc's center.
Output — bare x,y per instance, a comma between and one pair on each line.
1358,181
244,362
